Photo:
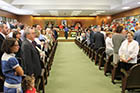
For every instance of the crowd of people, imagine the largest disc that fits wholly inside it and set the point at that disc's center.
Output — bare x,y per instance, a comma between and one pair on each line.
123,44
22,50
23,47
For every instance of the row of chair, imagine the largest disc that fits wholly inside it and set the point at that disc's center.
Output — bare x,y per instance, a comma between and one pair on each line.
130,79
46,67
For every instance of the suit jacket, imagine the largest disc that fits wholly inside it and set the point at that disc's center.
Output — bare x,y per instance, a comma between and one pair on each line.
31,59
91,37
1,41
1,53
99,40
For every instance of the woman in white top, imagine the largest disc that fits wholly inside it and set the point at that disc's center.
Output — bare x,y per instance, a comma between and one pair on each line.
109,45
128,52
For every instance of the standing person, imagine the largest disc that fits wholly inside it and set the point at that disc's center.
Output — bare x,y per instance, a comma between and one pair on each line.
66,30
22,27
30,54
99,40
137,35
128,52
91,37
29,84
10,66
88,37
55,33
117,40
3,34
109,45
17,36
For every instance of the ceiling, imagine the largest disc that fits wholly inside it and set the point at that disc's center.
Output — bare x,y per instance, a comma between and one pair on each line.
67,7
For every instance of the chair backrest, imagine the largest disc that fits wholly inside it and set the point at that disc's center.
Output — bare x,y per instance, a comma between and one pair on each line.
133,79
138,60
103,55
110,58
101,50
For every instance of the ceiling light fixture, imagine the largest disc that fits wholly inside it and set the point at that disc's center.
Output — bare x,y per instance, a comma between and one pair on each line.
100,11
108,17
138,2
94,14
54,13
75,13
126,8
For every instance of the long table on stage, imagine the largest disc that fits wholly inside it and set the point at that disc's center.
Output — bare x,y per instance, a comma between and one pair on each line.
62,34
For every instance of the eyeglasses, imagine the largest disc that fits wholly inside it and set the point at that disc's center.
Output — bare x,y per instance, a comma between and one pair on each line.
16,45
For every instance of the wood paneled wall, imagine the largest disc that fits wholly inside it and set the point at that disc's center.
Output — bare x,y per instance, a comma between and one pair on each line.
131,12
30,20
105,19
26,19
7,14
85,21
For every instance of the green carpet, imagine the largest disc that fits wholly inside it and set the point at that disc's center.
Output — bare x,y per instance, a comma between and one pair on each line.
73,72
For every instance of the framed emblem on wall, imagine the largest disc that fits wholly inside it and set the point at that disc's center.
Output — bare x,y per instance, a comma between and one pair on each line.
64,22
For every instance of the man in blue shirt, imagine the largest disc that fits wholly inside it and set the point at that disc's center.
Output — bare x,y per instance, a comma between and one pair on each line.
66,32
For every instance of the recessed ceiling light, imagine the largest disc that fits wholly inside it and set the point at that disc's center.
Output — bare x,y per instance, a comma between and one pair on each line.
108,17
126,8
138,2
100,11
75,13
92,14
54,13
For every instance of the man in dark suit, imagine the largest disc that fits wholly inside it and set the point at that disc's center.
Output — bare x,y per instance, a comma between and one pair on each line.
3,33
99,40
30,54
91,37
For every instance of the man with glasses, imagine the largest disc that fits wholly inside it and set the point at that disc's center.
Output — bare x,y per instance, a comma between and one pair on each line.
30,54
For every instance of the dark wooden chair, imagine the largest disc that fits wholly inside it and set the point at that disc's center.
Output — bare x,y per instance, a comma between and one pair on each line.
131,78
108,66
89,53
86,49
93,52
116,73
98,53
102,60
2,79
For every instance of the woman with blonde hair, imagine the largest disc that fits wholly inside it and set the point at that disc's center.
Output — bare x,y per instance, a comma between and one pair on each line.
128,52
